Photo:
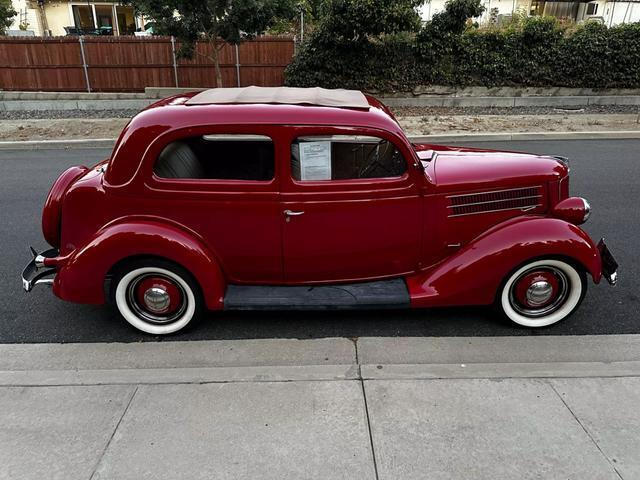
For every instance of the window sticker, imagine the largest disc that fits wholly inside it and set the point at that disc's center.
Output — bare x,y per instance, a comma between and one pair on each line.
315,160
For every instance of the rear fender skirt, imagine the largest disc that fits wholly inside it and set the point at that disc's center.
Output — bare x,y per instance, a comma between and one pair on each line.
81,278
473,275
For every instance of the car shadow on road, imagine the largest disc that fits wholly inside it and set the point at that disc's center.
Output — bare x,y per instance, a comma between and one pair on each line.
351,324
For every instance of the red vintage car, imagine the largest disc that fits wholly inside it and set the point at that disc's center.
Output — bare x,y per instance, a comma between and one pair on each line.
281,198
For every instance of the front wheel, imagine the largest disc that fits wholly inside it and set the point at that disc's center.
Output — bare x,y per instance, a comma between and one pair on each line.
156,296
541,293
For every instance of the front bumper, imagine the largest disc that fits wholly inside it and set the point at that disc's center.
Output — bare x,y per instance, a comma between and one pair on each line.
35,273
609,264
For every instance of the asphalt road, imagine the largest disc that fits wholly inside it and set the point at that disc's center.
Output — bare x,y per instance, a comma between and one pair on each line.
605,172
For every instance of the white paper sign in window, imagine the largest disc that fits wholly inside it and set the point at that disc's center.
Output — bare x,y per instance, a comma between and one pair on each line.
315,160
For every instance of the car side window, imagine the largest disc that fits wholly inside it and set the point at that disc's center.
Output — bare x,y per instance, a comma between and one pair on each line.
218,157
345,157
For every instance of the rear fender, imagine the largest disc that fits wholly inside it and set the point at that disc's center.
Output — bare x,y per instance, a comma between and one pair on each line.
81,276
473,275
52,210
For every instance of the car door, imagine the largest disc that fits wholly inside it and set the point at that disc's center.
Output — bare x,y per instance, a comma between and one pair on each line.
351,208
222,184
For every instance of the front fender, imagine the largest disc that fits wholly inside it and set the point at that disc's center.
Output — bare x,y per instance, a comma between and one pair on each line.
81,275
473,274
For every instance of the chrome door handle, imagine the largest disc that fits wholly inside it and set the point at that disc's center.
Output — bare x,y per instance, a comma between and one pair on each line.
291,213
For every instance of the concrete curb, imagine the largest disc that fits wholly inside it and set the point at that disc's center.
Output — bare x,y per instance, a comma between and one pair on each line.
67,105
525,136
443,138
179,354
11,95
283,360
501,370
63,104
430,97
510,102
57,144
158,376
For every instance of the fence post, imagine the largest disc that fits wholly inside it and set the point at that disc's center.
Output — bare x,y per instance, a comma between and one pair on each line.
175,63
84,63
237,64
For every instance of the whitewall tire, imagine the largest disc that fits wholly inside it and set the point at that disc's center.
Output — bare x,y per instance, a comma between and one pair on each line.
541,293
156,297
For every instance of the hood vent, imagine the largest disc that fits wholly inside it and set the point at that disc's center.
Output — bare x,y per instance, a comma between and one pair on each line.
525,199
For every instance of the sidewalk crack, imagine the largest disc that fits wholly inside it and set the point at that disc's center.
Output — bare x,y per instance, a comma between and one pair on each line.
106,447
593,440
366,410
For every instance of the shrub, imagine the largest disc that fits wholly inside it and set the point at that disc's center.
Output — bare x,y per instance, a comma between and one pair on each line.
529,51
440,38
360,44
624,56
483,59
387,64
586,56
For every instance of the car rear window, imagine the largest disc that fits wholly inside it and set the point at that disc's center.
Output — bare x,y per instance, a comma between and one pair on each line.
218,157
344,157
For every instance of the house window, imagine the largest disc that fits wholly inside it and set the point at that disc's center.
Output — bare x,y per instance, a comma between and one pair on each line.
218,157
537,7
83,17
592,8
345,157
126,20
104,17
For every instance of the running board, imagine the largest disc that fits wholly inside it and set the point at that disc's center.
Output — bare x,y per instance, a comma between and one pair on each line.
367,295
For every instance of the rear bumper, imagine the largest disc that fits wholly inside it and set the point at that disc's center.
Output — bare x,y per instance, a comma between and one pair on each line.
36,273
609,264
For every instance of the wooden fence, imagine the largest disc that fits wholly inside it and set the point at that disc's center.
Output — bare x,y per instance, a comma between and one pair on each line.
129,64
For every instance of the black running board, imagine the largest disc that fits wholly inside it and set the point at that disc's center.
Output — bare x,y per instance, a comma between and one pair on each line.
367,295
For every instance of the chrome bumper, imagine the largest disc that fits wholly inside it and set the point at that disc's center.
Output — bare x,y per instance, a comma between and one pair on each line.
35,273
609,264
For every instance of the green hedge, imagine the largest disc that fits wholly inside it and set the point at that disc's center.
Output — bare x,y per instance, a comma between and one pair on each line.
388,65
536,51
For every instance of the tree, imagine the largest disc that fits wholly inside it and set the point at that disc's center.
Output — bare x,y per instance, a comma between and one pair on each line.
6,15
355,20
310,11
214,21
440,37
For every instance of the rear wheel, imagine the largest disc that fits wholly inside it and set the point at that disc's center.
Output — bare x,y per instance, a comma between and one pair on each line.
542,292
157,296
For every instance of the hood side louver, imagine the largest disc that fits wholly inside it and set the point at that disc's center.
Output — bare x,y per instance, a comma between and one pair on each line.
525,199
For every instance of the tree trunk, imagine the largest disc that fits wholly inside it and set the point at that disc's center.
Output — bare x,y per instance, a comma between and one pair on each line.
216,61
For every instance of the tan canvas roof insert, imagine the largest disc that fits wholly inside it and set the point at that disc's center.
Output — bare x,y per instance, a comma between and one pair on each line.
285,95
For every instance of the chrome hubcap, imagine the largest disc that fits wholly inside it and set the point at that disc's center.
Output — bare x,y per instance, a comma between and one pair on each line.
539,293
156,300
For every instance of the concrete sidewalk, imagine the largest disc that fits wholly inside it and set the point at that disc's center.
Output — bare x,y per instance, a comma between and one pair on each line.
375,408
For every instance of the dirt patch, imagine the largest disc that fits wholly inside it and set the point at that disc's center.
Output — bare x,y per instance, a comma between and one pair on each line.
91,128
60,129
452,124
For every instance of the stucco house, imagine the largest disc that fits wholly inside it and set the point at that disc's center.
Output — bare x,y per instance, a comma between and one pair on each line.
47,17
607,11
